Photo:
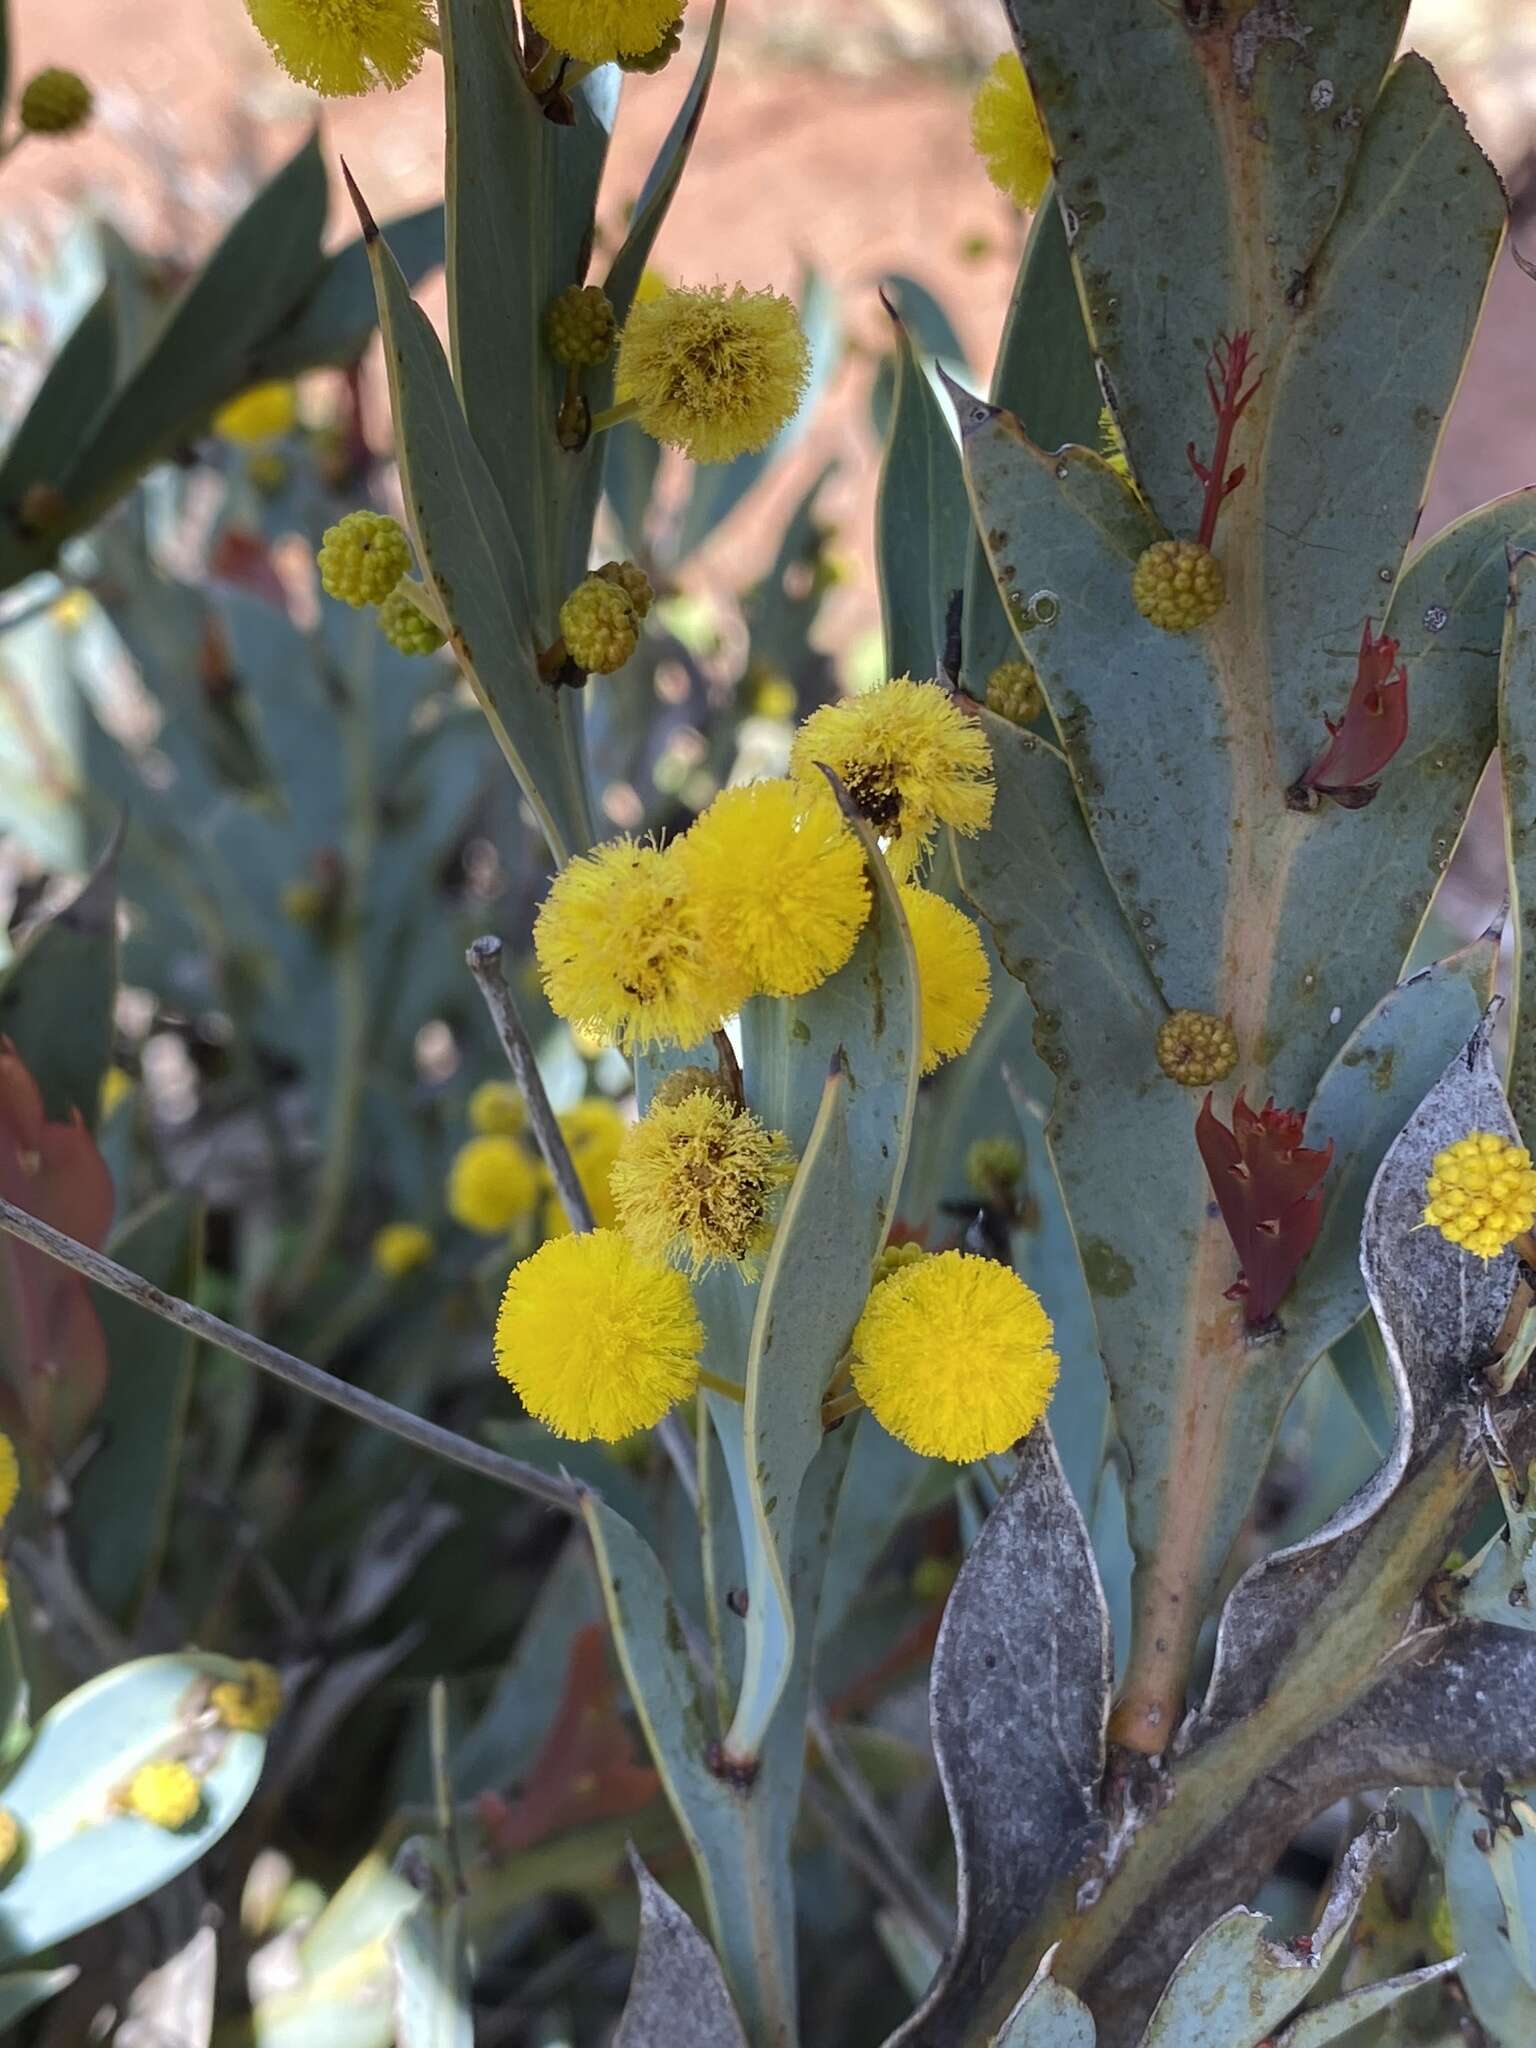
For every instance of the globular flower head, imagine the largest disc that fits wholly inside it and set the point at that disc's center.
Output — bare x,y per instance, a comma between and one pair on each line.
599,626
1374,726
634,583
492,1185
1007,134
953,1355
54,102
1269,1189
697,1181
251,1702
166,1794
713,372
910,759
10,1839
622,950
496,1109
1014,692
1481,1193
401,1248
264,413
579,326
1195,1048
597,31
1178,585
598,1340
779,883
342,47
648,62
954,980
406,626
362,557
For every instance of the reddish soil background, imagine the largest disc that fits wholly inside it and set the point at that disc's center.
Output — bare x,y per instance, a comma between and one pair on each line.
837,136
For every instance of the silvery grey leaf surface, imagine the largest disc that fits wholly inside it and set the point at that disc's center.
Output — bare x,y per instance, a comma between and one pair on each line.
677,1995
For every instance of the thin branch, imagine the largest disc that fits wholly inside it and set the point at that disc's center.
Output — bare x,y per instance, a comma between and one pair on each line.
294,1372
902,1883
484,958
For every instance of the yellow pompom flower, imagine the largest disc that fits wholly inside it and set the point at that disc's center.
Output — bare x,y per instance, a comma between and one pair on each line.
264,413
1007,135
401,1248
622,951
10,1839
496,1110
598,1341
593,1130
342,47
166,1794
713,372
1481,1193
777,879
910,759
954,981
492,1185
697,1181
953,1355
597,31
251,1702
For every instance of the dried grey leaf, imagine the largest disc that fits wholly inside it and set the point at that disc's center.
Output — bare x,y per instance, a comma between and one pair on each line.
677,1996
1019,1698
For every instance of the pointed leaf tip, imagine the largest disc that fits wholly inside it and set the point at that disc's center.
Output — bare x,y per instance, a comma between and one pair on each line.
365,219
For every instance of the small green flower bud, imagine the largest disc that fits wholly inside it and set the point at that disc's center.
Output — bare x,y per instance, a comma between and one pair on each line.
598,626
579,327
55,102
362,558
1178,585
406,626
993,1167
634,582
1014,692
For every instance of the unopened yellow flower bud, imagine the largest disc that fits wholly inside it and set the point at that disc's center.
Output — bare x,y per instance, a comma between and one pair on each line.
1178,585
599,626
55,102
1481,1193
166,1794
579,326
252,1702
1195,1048
1014,692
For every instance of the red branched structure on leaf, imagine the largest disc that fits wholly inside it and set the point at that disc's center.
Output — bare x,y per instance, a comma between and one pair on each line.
1268,1187
1229,363
1374,726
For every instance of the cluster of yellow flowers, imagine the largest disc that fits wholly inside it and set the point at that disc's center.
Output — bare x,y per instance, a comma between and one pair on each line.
647,945
1481,1193
497,1185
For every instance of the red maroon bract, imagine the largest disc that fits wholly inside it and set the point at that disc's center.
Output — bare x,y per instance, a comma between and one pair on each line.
1374,726
1268,1187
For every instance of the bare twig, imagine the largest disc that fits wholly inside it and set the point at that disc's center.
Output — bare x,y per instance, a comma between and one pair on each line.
294,1372
899,1879
484,957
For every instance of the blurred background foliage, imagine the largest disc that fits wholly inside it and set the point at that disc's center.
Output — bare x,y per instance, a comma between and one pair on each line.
237,823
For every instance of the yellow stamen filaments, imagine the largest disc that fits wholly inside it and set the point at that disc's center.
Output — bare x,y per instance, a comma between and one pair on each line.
597,31
621,950
167,1795
910,759
953,1355
778,881
1007,134
1481,1193
954,980
597,1340
1195,1048
712,372
252,1702
341,47
697,1181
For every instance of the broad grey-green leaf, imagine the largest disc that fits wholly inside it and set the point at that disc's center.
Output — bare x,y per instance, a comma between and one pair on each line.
1500,1997
1236,1985
1268,101
429,1955
470,558
337,320
124,1495
677,1995
85,1859
1048,2016
1045,376
1512,1861
1018,1699
922,524
23,1991
1340,2016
